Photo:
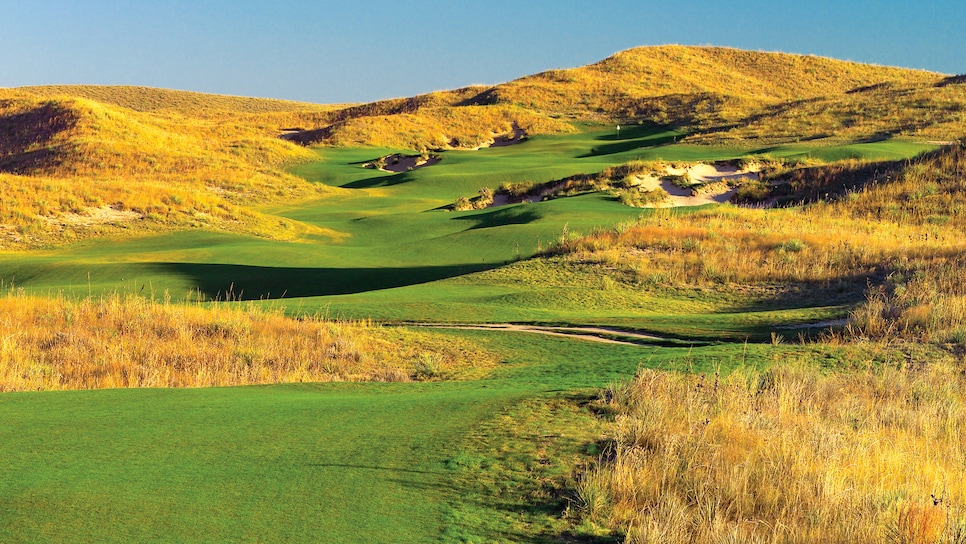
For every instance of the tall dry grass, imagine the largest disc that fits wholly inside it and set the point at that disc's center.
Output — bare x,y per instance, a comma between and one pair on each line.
901,236
72,166
122,340
729,246
791,454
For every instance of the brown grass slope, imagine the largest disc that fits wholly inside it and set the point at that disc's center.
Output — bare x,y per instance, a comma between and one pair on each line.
899,235
64,161
703,86
150,99
709,89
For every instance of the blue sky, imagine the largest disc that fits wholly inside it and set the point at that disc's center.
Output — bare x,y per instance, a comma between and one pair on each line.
329,51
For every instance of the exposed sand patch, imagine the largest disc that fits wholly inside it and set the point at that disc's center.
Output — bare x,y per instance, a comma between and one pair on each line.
519,135
711,183
498,139
397,163
97,216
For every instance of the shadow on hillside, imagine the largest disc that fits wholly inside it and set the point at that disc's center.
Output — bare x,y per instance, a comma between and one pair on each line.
246,282
23,134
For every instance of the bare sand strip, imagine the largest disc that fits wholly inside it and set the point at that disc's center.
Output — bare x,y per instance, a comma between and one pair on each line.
401,163
712,183
593,334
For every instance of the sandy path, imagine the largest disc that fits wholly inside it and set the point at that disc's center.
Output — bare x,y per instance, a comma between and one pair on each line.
593,334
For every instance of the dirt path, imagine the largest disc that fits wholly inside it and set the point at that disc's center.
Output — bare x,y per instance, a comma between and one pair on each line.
593,334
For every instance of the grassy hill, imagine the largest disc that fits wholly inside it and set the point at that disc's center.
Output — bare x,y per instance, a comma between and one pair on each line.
706,88
80,161
150,99
72,167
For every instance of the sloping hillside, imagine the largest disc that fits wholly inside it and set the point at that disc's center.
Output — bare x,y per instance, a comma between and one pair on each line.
150,99
77,159
71,164
718,93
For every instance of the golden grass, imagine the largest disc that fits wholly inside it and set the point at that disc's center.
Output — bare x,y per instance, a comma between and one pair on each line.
441,127
148,99
922,111
696,78
787,455
74,157
739,247
129,341
720,93
904,233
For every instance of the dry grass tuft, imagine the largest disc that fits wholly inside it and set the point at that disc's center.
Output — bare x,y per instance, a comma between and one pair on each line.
787,455
129,341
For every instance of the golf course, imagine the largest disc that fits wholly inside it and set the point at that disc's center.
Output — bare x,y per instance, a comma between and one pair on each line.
488,327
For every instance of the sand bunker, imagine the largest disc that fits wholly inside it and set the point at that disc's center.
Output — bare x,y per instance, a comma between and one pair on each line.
397,163
497,139
519,136
709,183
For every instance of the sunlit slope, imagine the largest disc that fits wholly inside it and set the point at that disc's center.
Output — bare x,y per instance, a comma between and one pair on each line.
615,83
70,164
707,89
147,99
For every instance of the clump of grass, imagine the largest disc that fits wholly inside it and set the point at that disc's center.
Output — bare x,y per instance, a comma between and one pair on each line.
637,198
122,340
789,454
923,303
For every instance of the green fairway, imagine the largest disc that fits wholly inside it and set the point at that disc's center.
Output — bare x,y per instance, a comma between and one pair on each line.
308,463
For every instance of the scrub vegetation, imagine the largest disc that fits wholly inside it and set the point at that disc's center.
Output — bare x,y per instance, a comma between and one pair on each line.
126,340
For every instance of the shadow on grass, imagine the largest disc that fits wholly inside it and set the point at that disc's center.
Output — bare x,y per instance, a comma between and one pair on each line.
379,181
514,215
633,137
245,282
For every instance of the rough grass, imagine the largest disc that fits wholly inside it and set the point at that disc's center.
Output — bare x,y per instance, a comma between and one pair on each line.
71,157
907,229
790,454
148,99
129,341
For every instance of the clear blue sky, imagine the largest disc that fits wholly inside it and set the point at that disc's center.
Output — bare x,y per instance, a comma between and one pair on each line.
352,51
